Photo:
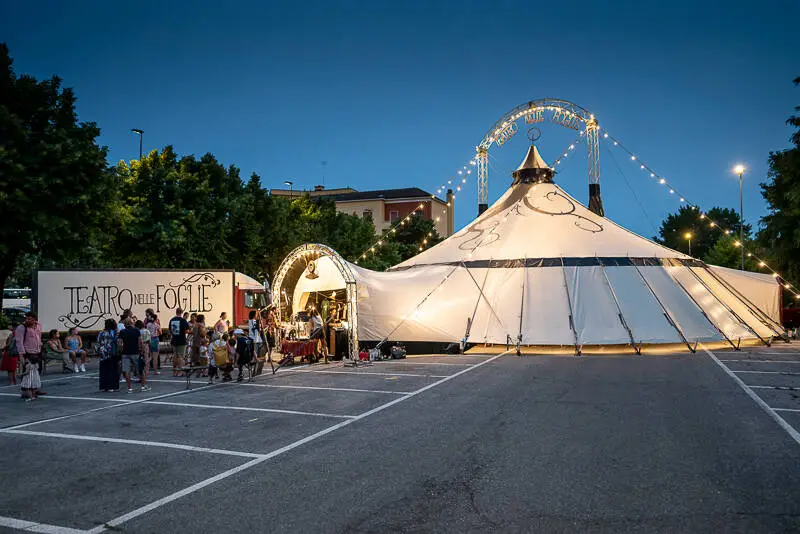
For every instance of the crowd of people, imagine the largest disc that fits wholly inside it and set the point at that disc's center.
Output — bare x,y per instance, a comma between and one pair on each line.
131,348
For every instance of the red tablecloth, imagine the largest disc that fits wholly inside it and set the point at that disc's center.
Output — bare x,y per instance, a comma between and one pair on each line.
298,348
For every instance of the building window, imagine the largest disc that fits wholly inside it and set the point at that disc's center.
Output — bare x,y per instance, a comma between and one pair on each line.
394,215
367,214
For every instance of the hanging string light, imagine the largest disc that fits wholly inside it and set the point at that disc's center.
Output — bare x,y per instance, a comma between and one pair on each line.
788,287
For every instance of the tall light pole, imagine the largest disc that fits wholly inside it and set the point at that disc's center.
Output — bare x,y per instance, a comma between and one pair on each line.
688,236
739,169
141,135
291,189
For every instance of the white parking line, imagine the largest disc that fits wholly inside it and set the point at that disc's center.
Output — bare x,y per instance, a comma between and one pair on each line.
132,442
116,522
31,526
406,362
787,388
750,393
325,389
382,374
795,410
250,409
48,396
767,373
760,361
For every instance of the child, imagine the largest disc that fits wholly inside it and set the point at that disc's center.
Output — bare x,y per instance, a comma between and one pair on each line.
31,381
144,357
226,372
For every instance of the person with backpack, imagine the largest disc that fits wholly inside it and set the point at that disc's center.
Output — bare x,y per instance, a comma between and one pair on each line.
244,352
218,357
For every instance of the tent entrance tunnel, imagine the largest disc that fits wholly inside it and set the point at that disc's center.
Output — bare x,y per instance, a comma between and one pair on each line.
539,269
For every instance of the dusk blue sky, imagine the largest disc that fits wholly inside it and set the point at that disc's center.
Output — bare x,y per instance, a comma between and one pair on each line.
397,94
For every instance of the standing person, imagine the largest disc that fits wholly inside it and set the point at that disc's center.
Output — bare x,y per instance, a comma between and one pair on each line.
154,326
244,352
131,339
10,357
107,351
76,352
226,373
54,346
198,331
28,337
253,331
317,334
178,327
221,326
31,381
144,357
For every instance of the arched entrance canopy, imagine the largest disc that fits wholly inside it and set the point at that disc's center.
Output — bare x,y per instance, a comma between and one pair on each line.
566,114
296,263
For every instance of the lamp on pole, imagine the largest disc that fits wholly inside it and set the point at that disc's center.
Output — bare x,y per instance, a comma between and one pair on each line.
291,188
141,135
688,236
739,169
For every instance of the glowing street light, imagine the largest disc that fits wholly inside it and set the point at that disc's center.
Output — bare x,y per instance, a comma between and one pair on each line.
688,237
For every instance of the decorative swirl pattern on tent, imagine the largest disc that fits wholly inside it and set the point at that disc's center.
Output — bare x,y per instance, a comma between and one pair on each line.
485,232
582,222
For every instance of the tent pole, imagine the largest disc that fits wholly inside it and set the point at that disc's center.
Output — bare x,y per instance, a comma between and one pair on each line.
667,314
736,315
522,304
718,329
569,303
619,308
755,310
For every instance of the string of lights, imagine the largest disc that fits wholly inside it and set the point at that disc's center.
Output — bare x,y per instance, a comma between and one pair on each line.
701,215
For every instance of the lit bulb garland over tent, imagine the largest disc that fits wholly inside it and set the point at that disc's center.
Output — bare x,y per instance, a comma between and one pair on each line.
537,268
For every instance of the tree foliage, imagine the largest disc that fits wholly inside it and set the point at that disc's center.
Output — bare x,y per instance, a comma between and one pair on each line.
780,234
54,182
687,220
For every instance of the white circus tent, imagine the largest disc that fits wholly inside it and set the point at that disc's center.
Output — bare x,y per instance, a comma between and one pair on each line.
540,269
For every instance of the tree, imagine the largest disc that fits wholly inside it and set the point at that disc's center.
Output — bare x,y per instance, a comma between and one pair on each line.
780,234
53,175
408,240
725,253
687,220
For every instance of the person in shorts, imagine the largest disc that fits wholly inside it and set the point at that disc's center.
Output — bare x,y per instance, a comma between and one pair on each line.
178,327
131,339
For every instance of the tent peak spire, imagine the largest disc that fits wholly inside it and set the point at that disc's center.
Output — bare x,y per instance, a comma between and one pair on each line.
532,169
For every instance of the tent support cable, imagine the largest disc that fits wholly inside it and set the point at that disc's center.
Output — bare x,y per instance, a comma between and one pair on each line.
768,321
569,303
481,294
431,292
730,310
636,347
717,328
667,314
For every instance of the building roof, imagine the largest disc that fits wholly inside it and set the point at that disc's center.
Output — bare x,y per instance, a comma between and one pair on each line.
384,194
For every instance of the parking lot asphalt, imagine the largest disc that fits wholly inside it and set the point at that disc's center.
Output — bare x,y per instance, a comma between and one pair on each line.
468,443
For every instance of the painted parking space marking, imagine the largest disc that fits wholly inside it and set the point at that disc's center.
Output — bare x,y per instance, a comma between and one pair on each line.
762,361
84,437
250,409
354,390
116,522
363,373
758,400
32,526
63,397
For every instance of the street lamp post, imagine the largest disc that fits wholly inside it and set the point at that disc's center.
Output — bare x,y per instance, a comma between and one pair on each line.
688,236
141,134
739,169
291,189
